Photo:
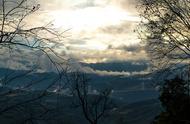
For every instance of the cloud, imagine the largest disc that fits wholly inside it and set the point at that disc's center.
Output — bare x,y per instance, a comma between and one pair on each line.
113,73
52,5
119,35
118,29
129,66
128,5
102,30
80,41
94,56
134,48
9,4
27,59
20,60
89,3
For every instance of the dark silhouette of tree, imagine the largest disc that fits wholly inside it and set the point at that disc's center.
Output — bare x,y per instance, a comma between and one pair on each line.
16,35
14,31
165,31
175,101
94,105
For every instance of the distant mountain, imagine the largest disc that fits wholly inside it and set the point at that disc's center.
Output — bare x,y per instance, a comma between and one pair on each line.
128,88
20,78
26,78
120,82
119,66
27,59
133,95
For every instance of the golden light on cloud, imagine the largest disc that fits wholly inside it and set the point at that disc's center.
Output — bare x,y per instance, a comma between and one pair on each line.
109,55
94,26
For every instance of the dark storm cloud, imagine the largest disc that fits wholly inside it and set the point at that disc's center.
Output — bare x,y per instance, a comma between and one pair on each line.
131,48
119,66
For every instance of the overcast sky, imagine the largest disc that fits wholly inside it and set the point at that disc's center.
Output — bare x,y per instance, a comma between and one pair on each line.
100,30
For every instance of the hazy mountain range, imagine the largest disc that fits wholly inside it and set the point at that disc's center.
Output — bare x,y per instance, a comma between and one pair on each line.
135,95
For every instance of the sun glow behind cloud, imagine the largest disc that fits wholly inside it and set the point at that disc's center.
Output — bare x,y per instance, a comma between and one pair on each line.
94,25
90,18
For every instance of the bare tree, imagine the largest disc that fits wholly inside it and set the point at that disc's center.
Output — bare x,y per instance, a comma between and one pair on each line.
94,105
165,31
16,35
14,32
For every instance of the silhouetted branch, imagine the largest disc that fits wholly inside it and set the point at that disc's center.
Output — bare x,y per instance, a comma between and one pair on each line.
94,106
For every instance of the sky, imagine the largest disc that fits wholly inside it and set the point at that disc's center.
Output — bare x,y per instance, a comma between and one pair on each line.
99,30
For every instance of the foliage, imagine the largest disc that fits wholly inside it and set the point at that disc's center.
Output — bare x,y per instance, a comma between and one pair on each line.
165,31
175,100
